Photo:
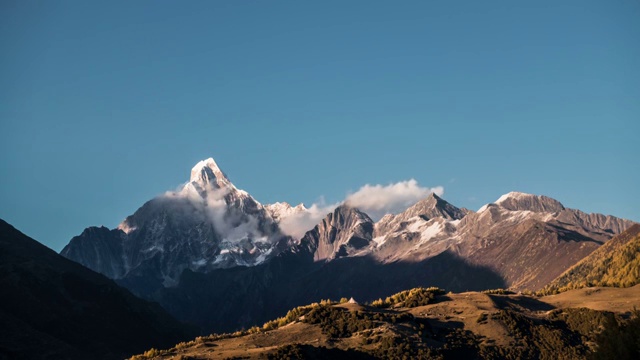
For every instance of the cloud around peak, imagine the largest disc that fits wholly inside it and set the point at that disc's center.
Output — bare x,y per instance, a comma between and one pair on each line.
375,200
378,200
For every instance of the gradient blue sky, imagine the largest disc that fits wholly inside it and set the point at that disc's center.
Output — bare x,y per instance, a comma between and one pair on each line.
104,105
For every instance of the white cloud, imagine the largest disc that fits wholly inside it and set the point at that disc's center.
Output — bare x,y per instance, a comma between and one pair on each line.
375,200
378,200
297,224
231,224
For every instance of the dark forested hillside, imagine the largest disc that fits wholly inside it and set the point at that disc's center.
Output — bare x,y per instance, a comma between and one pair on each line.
54,308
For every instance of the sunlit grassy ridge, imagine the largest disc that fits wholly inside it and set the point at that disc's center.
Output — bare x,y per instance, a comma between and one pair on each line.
443,329
616,263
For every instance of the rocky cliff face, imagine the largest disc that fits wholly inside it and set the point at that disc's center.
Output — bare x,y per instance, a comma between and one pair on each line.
430,208
422,226
344,232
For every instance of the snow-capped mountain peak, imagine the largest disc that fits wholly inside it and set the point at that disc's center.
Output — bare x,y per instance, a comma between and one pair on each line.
207,172
282,210
516,201
208,224
513,195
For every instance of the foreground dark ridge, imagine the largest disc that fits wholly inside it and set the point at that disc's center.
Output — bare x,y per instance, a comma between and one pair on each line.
421,323
54,308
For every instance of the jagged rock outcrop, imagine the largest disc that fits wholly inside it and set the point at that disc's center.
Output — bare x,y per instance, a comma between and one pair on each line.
421,226
429,208
344,232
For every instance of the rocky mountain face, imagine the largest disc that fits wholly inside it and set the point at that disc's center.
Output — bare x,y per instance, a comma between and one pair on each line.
430,208
53,308
527,239
532,239
210,247
422,226
342,233
206,225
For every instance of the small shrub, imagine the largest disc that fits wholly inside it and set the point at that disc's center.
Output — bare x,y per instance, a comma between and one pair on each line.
498,292
409,298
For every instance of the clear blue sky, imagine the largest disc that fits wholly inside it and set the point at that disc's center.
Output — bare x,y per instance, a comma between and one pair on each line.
104,105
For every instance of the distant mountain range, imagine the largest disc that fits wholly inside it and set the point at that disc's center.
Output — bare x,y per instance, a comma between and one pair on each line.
213,255
53,308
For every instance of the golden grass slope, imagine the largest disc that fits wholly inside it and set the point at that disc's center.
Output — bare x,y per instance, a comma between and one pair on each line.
616,263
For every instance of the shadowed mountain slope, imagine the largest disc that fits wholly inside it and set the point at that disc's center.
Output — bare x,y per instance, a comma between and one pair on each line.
230,299
54,308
